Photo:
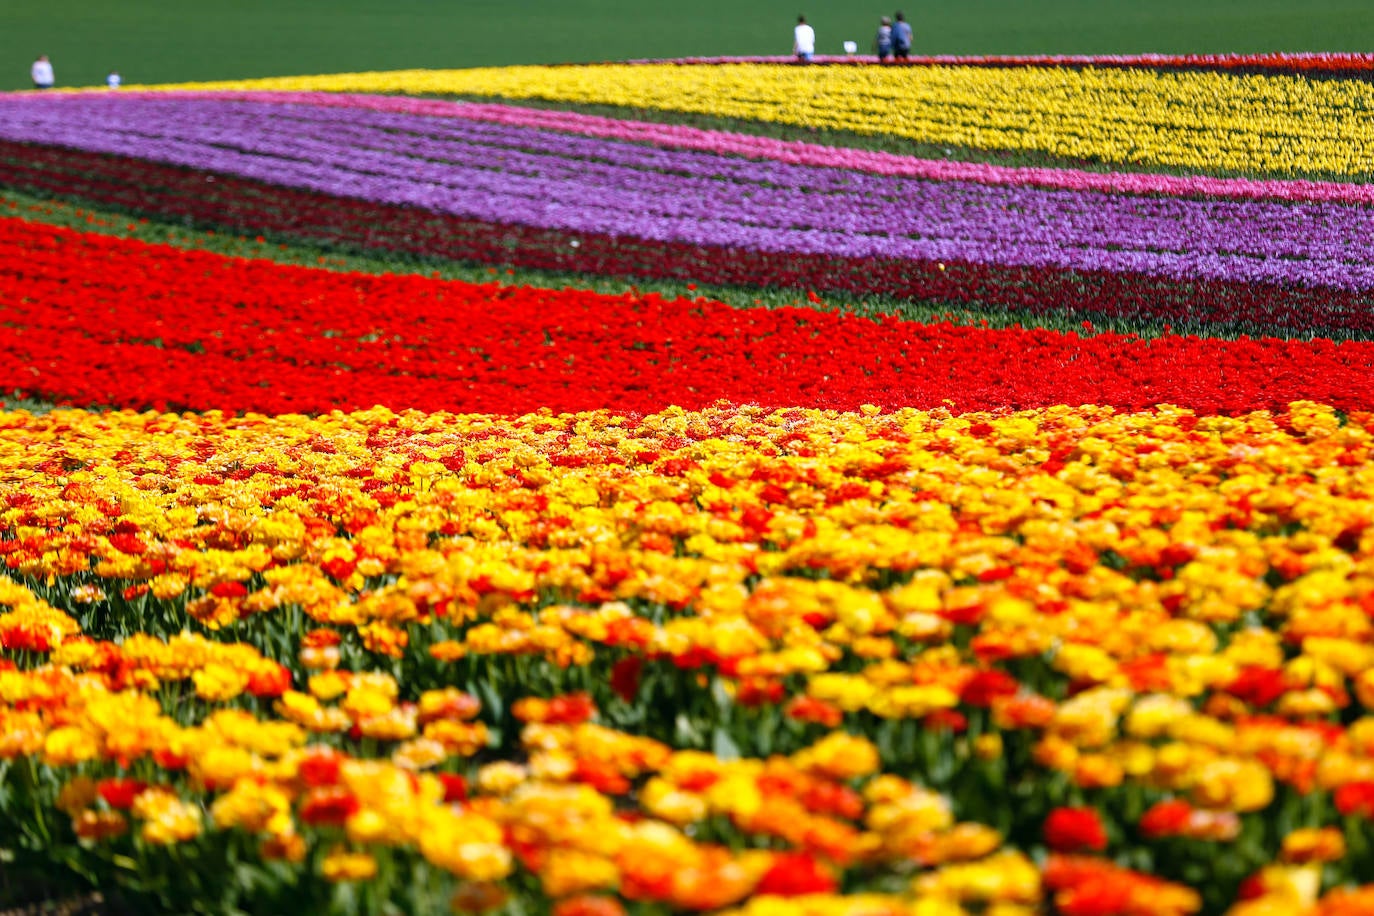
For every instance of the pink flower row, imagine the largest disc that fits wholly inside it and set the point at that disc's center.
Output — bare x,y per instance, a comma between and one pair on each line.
800,153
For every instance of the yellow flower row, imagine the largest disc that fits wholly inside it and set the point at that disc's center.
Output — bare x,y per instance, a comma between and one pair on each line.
964,514
1200,121
983,532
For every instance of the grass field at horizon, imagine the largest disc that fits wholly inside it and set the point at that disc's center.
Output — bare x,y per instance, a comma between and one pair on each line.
165,40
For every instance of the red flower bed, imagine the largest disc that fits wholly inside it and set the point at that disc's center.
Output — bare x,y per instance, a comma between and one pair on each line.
96,319
239,205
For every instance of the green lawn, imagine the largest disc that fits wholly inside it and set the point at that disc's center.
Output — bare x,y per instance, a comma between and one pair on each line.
164,40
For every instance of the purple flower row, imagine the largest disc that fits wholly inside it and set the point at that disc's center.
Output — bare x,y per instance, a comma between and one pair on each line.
583,184
680,136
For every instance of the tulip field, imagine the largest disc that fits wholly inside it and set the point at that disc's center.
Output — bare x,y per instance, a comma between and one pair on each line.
715,487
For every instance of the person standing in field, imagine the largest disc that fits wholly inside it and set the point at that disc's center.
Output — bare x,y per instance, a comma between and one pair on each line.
803,41
41,71
901,38
882,43
112,79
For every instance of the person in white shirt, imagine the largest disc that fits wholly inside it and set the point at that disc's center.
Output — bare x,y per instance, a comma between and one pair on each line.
803,41
112,79
41,71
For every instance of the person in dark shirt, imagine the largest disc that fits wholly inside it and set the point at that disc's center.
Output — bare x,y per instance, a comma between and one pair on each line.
901,38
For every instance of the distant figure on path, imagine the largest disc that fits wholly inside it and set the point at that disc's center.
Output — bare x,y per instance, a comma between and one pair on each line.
803,41
41,71
882,43
901,38
112,79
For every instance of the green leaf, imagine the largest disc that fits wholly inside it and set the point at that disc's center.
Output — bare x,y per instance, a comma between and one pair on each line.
685,733
723,746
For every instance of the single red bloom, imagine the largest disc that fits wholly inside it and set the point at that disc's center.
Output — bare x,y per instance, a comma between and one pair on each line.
571,709
1356,798
825,797
809,709
319,767
601,776
328,805
170,760
338,568
320,639
1251,888
986,686
270,682
629,631
1075,829
1258,686
127,543
120,792
229,590
1167,818
1097,897
793,874
625,675
698,781
967,615
455,787
1148,673
755,691
946,719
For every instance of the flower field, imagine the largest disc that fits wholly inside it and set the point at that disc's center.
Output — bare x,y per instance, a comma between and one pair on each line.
459,587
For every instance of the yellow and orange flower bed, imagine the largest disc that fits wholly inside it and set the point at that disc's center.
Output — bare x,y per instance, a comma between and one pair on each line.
1067,660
